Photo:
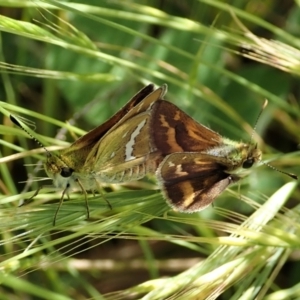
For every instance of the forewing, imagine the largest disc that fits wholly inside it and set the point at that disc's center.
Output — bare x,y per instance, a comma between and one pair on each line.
144,105
126,146
174,131
93,136
129,132
191,181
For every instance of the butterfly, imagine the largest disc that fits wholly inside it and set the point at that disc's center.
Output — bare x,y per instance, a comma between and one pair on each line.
117,151
198,164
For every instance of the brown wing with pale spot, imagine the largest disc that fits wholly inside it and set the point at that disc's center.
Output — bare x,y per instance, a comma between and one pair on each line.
174,131
191,181
121,133
117,148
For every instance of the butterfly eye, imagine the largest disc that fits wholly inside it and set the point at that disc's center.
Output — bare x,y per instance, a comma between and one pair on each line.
66,172
248,163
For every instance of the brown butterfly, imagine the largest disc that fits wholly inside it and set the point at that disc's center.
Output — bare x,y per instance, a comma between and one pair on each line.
199,163
117,151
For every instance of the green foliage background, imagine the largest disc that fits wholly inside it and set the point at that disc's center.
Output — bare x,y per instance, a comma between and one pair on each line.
79,62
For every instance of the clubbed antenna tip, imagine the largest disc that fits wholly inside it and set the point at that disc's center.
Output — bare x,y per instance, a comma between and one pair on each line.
265,104
15,121
294,176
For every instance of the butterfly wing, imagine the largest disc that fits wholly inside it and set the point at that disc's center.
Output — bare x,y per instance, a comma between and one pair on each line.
125,152
174,131
143,106
191,181
128,131
83,151
93,136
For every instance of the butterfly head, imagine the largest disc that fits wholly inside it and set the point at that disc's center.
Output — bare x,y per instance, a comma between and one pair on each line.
58,171
247,155
252,155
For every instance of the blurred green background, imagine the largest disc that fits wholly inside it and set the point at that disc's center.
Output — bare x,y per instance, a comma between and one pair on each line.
80,61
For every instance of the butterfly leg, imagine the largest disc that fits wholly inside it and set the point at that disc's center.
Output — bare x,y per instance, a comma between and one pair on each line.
101,193
60,203
26,201
85,199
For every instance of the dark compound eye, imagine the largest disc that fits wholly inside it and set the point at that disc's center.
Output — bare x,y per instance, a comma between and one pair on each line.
66,172
248,163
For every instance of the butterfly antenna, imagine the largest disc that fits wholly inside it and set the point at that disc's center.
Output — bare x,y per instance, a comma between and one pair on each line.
264,163
16,122
258,117
285,173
